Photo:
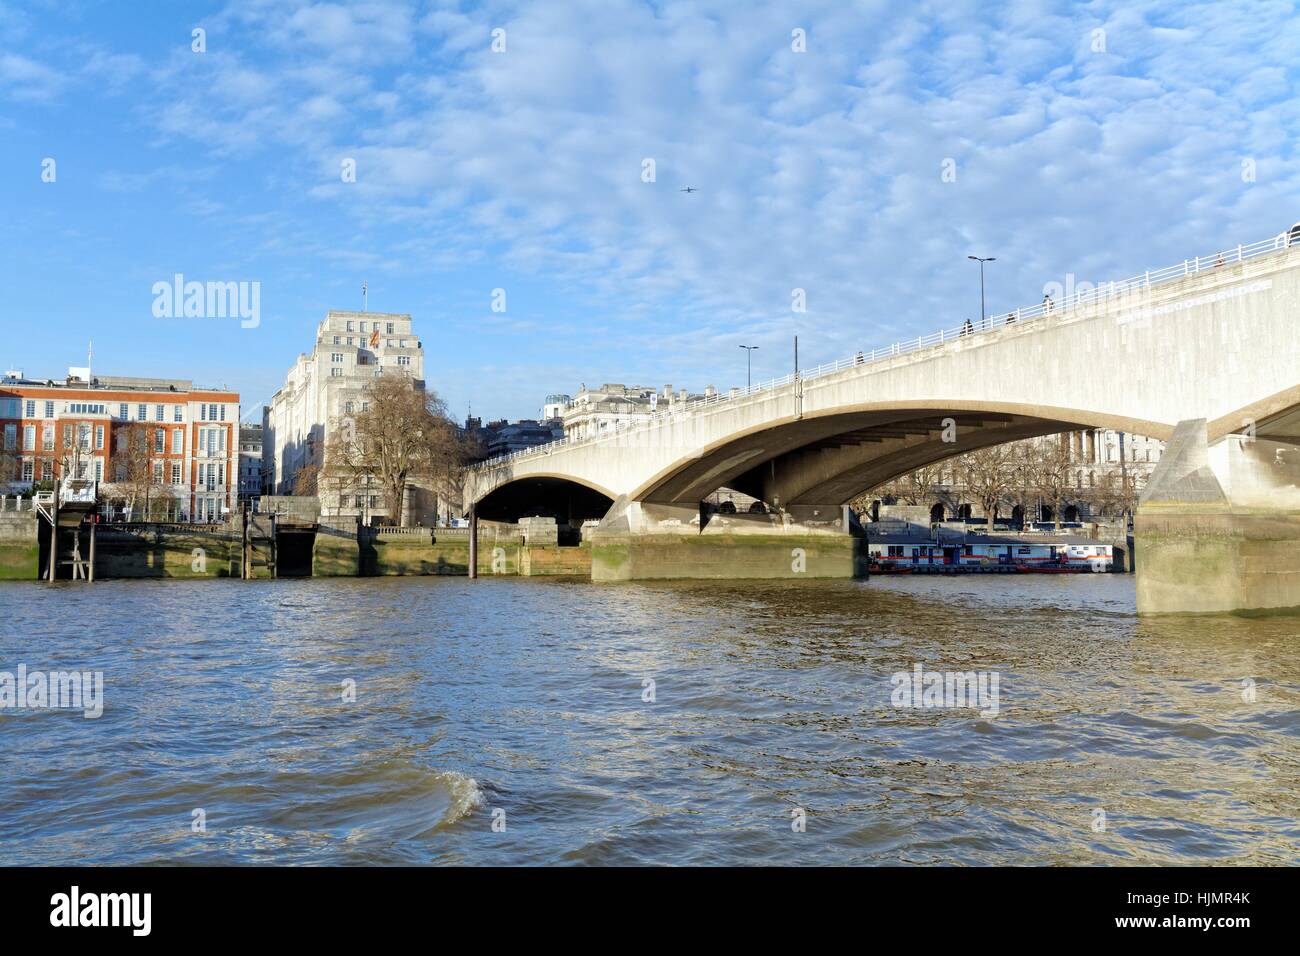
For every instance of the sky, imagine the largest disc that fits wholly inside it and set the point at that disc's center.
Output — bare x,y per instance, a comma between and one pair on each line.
519,167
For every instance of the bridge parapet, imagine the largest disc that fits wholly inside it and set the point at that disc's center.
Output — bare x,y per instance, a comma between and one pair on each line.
1132,297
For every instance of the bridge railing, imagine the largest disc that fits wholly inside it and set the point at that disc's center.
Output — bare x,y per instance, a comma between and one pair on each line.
1081,297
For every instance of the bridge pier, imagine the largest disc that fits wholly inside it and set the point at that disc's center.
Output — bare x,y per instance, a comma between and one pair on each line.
640,541
1218,528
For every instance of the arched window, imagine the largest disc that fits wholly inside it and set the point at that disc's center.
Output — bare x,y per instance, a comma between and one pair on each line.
936,513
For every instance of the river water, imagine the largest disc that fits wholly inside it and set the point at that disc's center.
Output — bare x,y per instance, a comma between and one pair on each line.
523,702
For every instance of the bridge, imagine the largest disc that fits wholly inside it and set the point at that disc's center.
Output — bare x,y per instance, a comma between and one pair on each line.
1204,354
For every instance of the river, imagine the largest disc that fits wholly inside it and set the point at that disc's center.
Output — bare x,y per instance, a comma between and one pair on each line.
511,721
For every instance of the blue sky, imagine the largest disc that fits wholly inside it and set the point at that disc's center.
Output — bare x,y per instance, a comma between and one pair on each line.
1171,132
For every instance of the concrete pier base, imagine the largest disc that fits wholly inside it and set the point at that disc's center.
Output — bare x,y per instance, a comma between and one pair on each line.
642,542
1205,562
1218,529
643,557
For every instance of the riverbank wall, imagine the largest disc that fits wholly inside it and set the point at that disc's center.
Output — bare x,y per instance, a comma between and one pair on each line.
20,550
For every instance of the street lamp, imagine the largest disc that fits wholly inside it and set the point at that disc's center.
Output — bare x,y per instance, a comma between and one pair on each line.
749,355
983,317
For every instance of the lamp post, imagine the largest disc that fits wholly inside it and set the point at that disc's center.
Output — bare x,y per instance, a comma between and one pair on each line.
983,317
749,355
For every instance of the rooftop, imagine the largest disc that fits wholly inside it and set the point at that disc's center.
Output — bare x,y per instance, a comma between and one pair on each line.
118,383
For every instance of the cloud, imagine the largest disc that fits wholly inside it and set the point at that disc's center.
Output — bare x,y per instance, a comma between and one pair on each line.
27,81
820,170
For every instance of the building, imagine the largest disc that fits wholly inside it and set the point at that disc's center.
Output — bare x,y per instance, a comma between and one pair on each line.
598,410
503,437
154,440
1106,467
321,390
554,406
250,462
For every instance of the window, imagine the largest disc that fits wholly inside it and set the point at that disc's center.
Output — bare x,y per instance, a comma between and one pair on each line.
158,472
403,360
176,472
123,412
203,413
49,409
29,468
178,413
99,437
363,326
895,550
47,470
348,407
160,413
29,438
83,436
336,356
338,339
29,408
350,327
142,413
401,343
99,469
365,406
178,441
47,437
389,329
336,372
67,436
159,442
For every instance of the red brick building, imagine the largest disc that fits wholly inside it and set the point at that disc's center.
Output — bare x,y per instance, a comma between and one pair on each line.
187,439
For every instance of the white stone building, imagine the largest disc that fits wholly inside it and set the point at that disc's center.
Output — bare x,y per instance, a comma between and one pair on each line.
596,410
322,388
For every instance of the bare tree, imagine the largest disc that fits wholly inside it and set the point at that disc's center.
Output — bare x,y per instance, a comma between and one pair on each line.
306,481
988,473
1116,495
914,488
136,463
8,466
402,434
1051,472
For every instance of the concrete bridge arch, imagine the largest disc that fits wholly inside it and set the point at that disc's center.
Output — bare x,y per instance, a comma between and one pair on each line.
1213,345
